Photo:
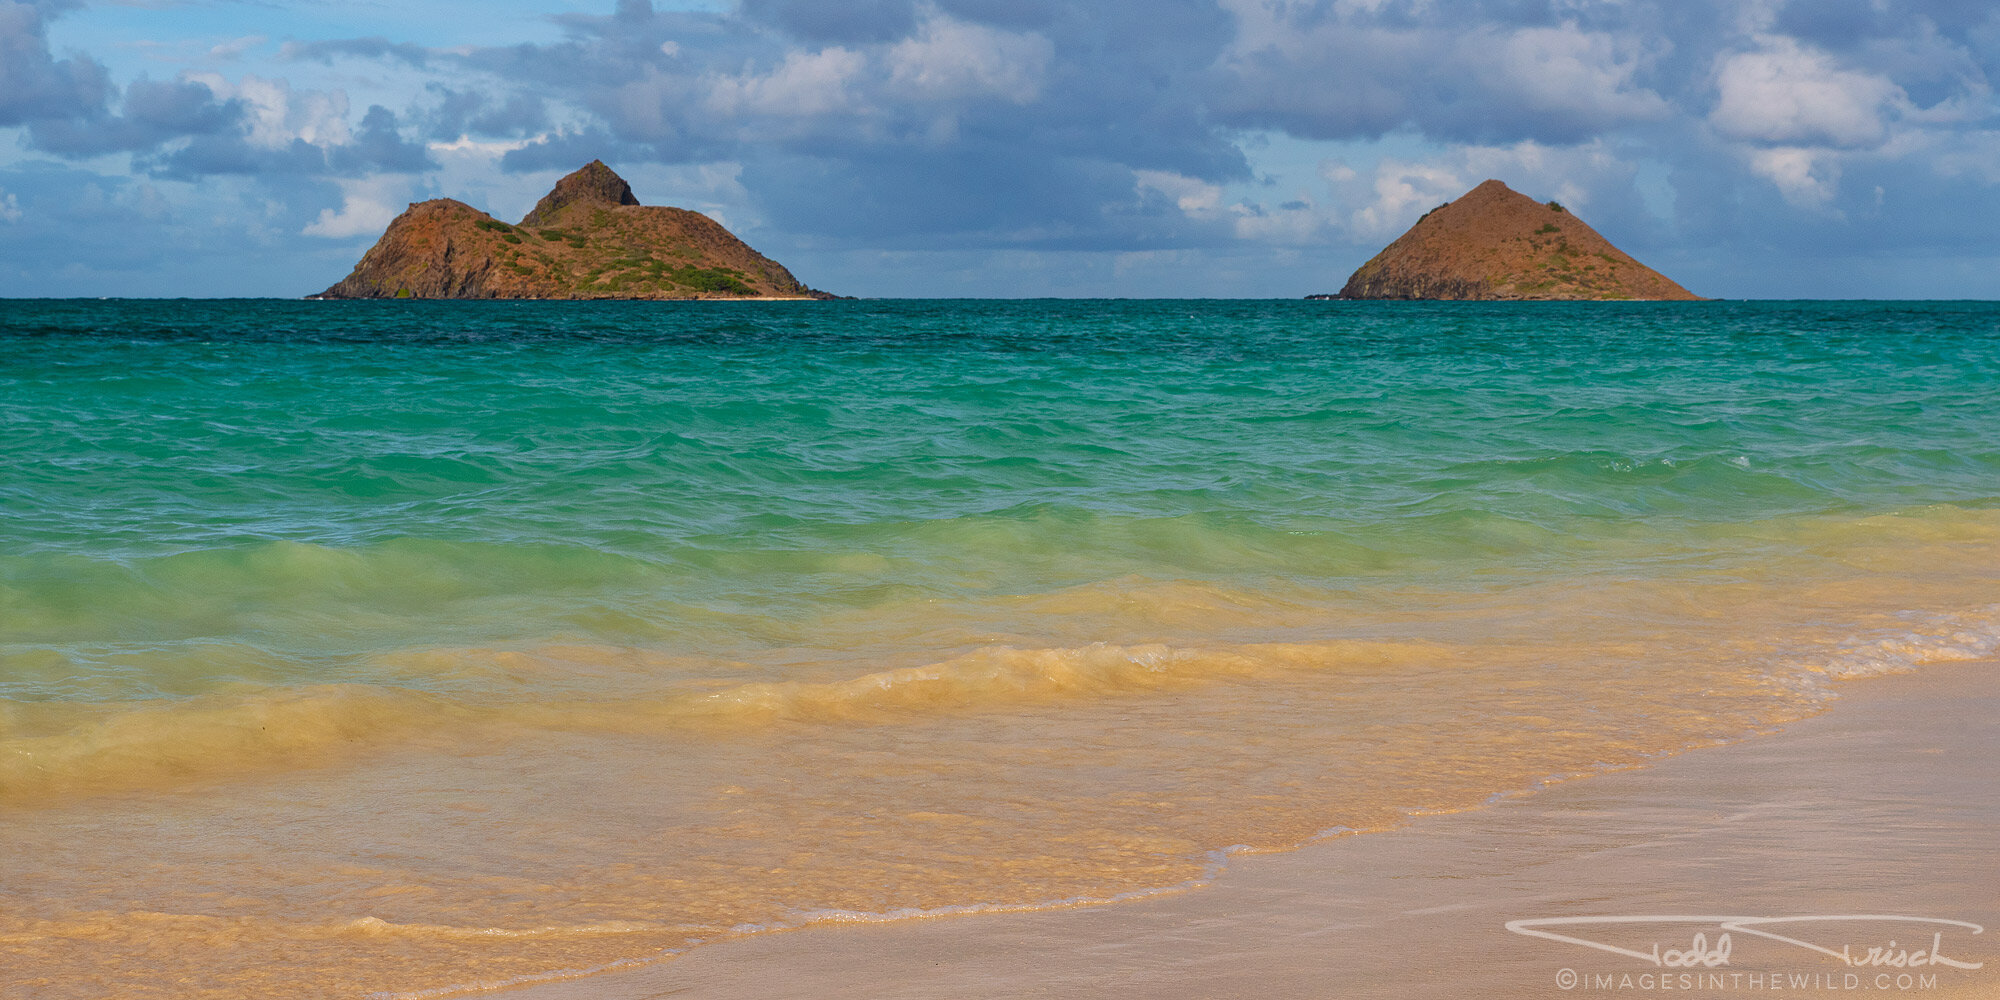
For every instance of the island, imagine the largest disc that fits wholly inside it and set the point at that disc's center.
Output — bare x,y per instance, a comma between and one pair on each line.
589,238
1495,243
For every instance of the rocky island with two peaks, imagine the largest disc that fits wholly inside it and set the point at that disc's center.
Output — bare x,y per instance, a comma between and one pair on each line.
589,238
1494,243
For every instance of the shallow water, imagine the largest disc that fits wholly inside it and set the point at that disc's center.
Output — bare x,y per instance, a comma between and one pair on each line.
357,648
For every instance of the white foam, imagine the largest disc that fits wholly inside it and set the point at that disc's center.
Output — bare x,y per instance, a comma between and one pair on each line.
1927,639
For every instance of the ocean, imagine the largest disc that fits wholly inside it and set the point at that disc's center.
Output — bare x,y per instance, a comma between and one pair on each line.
404,649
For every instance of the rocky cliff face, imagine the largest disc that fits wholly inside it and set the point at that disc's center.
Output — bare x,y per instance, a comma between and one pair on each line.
1495,243
589,238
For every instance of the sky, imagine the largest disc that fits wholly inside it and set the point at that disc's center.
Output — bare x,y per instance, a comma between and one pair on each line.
1013,148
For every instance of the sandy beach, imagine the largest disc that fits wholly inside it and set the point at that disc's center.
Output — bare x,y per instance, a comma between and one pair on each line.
1886,804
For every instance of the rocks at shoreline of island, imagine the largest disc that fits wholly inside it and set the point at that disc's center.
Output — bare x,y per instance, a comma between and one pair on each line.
588,238
1494,243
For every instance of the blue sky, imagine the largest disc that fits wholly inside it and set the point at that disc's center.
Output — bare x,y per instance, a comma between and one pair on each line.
1259,148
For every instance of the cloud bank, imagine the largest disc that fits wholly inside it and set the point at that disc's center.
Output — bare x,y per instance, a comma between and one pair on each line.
1123,138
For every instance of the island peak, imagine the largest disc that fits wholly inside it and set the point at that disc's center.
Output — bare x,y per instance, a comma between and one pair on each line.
588,238
1495,243
592,184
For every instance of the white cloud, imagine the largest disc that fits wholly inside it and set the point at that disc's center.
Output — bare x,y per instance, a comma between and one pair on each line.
1264,27
1790,94
235,47
1567,70
1195,198
146,201
1399,189
1335,171
714,189
944,62
1568,174
644,108
1291,223
950,59
1347,72
1806,178
805,85
1973,154
10,209
1390,198
719,180
465,145
367,206
1749,17
278,115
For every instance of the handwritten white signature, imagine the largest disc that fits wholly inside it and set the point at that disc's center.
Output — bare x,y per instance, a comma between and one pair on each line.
1701,953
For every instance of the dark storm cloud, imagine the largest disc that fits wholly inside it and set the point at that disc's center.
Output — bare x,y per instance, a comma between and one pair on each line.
230,154
1802,127
180,128
1506,72
977,123
80,232
377,147
34,85
1484,73
1077,203
1933,51
567,151
459,113
961,122
1025,14
153,113
67,105
848,22
375,47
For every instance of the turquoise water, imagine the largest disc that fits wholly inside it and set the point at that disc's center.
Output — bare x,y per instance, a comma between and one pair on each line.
259,471
249,544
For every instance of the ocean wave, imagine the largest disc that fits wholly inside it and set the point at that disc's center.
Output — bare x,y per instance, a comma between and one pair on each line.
1921,639
64,747
51,748
1003,675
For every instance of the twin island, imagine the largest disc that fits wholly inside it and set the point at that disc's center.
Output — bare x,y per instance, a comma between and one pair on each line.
589,238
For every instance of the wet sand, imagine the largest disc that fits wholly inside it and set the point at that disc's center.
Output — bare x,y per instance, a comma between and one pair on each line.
1887,804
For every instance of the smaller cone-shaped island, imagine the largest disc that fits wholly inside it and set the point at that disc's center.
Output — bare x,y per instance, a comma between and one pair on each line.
1496,243
589,238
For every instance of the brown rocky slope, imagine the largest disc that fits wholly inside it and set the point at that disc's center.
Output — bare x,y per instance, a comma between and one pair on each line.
589,238
1495,243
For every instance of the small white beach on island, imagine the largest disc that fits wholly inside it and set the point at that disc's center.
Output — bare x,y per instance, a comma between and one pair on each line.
1886,804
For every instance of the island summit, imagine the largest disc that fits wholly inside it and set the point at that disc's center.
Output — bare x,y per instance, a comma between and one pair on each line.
589,238
1496,243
